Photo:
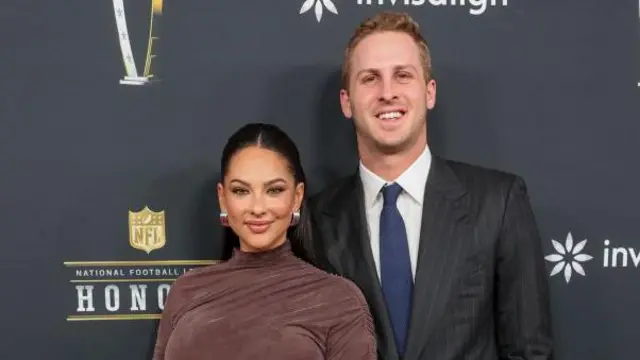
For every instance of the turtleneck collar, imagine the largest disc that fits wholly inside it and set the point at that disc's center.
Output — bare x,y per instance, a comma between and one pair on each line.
263,258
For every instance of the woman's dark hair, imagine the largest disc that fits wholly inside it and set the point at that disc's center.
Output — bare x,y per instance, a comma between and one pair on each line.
272,138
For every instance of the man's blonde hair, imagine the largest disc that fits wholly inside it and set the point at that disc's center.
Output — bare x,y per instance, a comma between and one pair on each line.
387,21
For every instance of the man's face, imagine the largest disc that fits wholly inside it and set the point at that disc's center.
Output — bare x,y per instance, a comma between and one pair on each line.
388,97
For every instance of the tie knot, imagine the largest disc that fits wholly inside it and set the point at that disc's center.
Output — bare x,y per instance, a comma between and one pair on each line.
390,193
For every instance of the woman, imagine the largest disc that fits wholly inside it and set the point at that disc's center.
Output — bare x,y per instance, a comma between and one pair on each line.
264,302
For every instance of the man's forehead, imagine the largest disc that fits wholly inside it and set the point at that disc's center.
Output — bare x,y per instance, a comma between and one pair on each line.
386,50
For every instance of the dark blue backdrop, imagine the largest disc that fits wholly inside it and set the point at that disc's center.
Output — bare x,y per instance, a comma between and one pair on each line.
546,89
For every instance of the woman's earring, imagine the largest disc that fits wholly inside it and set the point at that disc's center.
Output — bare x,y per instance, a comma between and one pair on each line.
295,218
224,219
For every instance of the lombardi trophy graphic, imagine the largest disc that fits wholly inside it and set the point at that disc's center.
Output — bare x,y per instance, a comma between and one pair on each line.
133,77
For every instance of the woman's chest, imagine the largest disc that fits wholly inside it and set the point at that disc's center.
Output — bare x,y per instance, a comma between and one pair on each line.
277,329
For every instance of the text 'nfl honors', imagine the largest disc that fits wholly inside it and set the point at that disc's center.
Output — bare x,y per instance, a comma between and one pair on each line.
128,289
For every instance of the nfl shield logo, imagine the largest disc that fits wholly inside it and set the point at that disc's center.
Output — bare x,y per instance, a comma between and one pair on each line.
147,230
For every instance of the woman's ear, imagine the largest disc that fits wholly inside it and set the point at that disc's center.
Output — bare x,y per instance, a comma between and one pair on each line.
299,196
221,198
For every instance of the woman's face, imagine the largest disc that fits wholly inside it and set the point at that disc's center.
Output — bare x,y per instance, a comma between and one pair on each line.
259,195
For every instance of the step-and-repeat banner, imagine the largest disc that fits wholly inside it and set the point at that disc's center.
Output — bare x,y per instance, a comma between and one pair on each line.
113,115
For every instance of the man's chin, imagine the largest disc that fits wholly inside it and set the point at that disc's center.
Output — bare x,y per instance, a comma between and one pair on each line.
390,147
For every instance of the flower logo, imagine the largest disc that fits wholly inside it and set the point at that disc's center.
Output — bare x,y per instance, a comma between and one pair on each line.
319,6
568,257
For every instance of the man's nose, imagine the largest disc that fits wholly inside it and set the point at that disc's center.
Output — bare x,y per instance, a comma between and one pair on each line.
387,90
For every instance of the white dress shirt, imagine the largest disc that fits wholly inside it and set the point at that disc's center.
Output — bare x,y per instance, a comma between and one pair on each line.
409,204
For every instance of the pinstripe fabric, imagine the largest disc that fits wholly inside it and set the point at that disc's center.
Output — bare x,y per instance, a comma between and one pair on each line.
481,289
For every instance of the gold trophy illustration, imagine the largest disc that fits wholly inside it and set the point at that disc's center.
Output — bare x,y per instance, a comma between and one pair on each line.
133,77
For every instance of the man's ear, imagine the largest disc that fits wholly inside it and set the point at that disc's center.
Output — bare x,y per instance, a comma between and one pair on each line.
345,103
431,94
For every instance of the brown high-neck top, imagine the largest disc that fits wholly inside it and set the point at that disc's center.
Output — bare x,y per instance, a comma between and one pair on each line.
264,306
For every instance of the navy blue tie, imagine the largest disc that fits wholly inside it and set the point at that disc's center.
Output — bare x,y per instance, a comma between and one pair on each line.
395,266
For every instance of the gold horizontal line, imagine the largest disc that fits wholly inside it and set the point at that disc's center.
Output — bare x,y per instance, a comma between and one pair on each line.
113,317
119,280
141,263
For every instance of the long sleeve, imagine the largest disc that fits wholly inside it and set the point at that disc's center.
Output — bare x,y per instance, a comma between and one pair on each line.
523,315
165,327
353,338
164,331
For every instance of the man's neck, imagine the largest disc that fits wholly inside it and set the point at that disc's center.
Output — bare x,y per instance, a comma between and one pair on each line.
390,166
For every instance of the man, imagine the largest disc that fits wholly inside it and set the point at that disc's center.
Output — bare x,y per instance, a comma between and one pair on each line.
447,254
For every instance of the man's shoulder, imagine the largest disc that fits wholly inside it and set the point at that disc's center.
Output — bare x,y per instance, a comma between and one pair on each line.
478,178
334,191
466,170
474,177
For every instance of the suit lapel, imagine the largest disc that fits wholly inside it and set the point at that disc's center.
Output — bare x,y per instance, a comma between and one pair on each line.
444,228
350,254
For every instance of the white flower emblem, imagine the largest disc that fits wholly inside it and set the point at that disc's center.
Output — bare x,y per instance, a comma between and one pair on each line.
568,257
319,5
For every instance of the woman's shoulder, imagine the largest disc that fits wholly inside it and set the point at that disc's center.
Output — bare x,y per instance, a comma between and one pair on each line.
189,288
348,288
339,287
197,278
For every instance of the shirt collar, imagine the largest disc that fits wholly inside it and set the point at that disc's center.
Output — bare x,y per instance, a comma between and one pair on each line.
412,180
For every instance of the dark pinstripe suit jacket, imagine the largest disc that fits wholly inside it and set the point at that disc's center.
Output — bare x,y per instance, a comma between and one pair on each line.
481,289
